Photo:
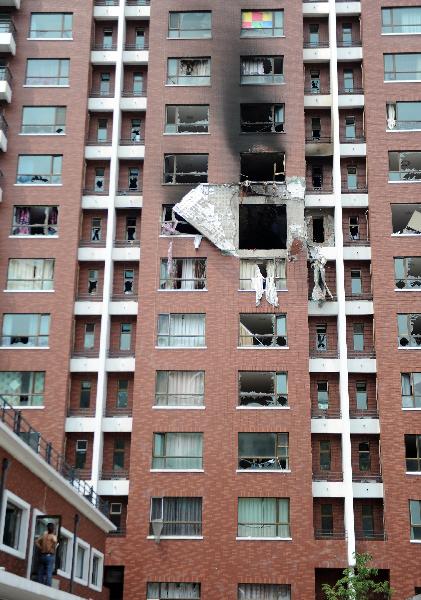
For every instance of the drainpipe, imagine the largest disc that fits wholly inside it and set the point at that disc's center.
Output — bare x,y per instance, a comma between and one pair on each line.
4,468
76,520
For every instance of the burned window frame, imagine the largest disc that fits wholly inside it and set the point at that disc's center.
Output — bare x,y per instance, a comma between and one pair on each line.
278,398
408,387
172,176
180,124
280,270
169,226
416,216
271,78
273,125
276,175
169,281
272,337
407,282
405,322
404,174
278,460
180,78
277,29
415,460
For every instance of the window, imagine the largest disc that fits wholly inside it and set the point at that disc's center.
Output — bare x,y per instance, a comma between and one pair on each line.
183,274
413,453
403,115
104,84
130,230
183,330
134,179
326,518
107,39
173,591
268,591
364,458
14,525
81,454
119,454
262,70
136,131
190,25
137,84
85,394
262,226
30,274
356,282
272,268
64,553
188,118
25,329
102,131
361,395
47,71
189,71
408,273
180,388
318,226
39,120
51,25
411,390
140,39
262,23
406,219
89,336
313,35
415,519
176,517
263,451
316,128
367,517
186,168
351,178
348,80
96,229
409,331
263,518
358,336
263,389
402,67
404,166
321,337
96,569
35,220
325,455
323,395
401,19
99,180
179,451
115,513
261,330
173,224
125,336
354,228
81,562
262,118
93,275
317,178
39,169
22,388
315,82
346,34
122,393
128,281
350,128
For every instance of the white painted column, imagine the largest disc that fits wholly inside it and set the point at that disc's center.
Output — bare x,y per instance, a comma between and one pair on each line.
340,290
101,396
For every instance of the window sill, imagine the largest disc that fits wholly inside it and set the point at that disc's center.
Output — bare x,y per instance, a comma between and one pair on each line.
18,407
262,347
188,85
411,408
415,473
63,574
28,291
181,347
38,185
253,291
263,407
402,33
24,347
401,130
178,407
27,85
401,80
178,235
398,235
42,39
204,290
411,348
415,541
43,134
176,537
83,582
405,181
411,290
263,539
189,133
13,551
176,470
263,471
29,237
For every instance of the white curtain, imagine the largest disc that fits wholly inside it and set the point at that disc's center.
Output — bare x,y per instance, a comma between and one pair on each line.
252,66
247,268
257,283
180,388
188,274
187,330
391,116
195,67
30,273
173,591
182,516
186,448
263,591
270,287
257,517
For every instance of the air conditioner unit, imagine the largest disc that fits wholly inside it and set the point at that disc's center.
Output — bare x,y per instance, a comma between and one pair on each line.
157,525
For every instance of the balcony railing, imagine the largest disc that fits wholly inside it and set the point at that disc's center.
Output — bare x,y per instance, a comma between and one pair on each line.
348,43
104,46
360,188
332,298
371,353
322,534
363,295
13,419
132,141
137,2
136,47
358,139
318,140
81,412
129,191
94,192
378,536
131,93
92,243
100,93
96,142
115,474
118,412
126,243
89,353
359,413
89,297
107,2
323,353
3,124
7,26
353,90
120,353
5,74
316,44
311,91
361,241
368,478
314,1
328,476
325,188
330,413
124,297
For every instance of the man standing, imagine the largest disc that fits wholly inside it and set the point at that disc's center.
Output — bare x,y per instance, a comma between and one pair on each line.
47,545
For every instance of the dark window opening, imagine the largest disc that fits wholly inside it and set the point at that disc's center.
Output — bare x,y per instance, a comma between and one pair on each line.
262,330
317,177
186,168
318,230
261,389
265,166
262,118
263,226
172,222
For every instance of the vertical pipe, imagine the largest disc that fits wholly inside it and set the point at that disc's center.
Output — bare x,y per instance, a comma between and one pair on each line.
76,520
4,468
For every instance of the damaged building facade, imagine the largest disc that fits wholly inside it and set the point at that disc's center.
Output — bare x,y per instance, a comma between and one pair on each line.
211,268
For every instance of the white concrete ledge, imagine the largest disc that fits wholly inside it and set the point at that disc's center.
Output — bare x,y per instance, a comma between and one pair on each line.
328,489
315,8
88,308
326,426
316,55
319,365
13,587
371,426
370,489
362,365
314,200
113,487
357,253
327,308
348,8
84,365
117,424
359,307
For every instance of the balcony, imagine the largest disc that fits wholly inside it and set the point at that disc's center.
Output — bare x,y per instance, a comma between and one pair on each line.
5,84
368,478
316,52
351,97
317,97
133,100
349,50
98,149
114,474
328,476
360,188
330,413
353,146
3,133
318,146
7,36
135,55
123,304
315,7
131,148
374,536
322,534
348,7
85,353
137,9
103,54
81,412
115,412
101,100
106,9
126,250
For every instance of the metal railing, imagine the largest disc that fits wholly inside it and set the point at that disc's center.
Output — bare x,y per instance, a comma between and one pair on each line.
81,412
96,142
126,243
329,413
314,353
106,2
132,297
89,353
321,139
7,26
323,189
353,90
131,141
358,139
5,74
137,2
362,241
361,353
92,243
317,91
94,192
127,93
136,47
361,188
119,532
115,474
362,295
120,353
370,535
104,46
89,297
368,478
328,476
360,413
318,44
348,43
99,93
13,419
118,412
323,534
129,191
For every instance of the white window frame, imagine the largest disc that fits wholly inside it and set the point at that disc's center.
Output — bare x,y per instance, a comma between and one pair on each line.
96,553
86,562
20,552
68,566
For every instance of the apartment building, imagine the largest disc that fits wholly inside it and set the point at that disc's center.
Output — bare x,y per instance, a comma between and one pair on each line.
210,266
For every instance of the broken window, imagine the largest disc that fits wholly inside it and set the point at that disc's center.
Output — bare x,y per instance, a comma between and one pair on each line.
263,451
262,23
262,69
408,273
402,19
130,232
318,230
186,168
268,591
316,128
323,395
405,166
180,516
89,337
364,457
173,591
403,115
183,330
177,451
189,118
406,219
96,229
22,388
262,226
183,274
44,119
317,178
326,519
135,131
263,518
128,281
354,227
99,181
402,67
189,71
25,329
122,398
125,336
263,389
413,453
356,282
361,395
350,128
173,224
358,336
92,282
411,390
190,25
315,82
134,179
262,166
262,118
262,329
39,169
268,267
180,388
409,330
325,455
30,274
321,337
